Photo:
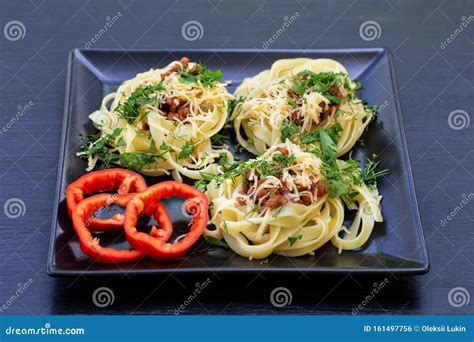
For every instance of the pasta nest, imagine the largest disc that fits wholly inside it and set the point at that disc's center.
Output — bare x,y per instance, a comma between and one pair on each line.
296,227
269,101
182,144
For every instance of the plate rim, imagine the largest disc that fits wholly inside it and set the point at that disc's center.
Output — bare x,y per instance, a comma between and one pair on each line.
54,271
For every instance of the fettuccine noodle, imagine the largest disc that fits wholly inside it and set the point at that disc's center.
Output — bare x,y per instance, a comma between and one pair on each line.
278,96
288,211
177,110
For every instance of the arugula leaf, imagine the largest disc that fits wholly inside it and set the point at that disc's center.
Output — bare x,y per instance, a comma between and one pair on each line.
333,99
357,84
328,147
120,143
216,242
337,185
114,134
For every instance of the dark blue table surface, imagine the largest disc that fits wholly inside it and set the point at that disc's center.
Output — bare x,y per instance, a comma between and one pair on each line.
436,86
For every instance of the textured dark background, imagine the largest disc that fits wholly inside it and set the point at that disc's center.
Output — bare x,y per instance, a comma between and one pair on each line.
434,79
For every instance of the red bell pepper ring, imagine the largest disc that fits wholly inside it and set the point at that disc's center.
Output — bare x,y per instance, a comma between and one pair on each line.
120,180
144,202
89,244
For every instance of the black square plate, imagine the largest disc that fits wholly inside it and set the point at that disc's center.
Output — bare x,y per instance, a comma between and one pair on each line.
397,245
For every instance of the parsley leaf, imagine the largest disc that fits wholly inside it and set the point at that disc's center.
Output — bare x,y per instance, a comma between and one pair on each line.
187,150
292,239
288,130
283,161
201,185
205,76
164,148
232,104
292,103
100,146
130,109
136,160
322,83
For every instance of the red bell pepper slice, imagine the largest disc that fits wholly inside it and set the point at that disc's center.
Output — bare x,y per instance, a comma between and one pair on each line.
120,180
90,246
144,202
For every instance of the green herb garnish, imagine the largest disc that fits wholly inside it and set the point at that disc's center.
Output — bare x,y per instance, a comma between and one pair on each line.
223,159
288,130
138,160
292,239
322,83
232,104
370,174
129,109
216,242
204,76
187,150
